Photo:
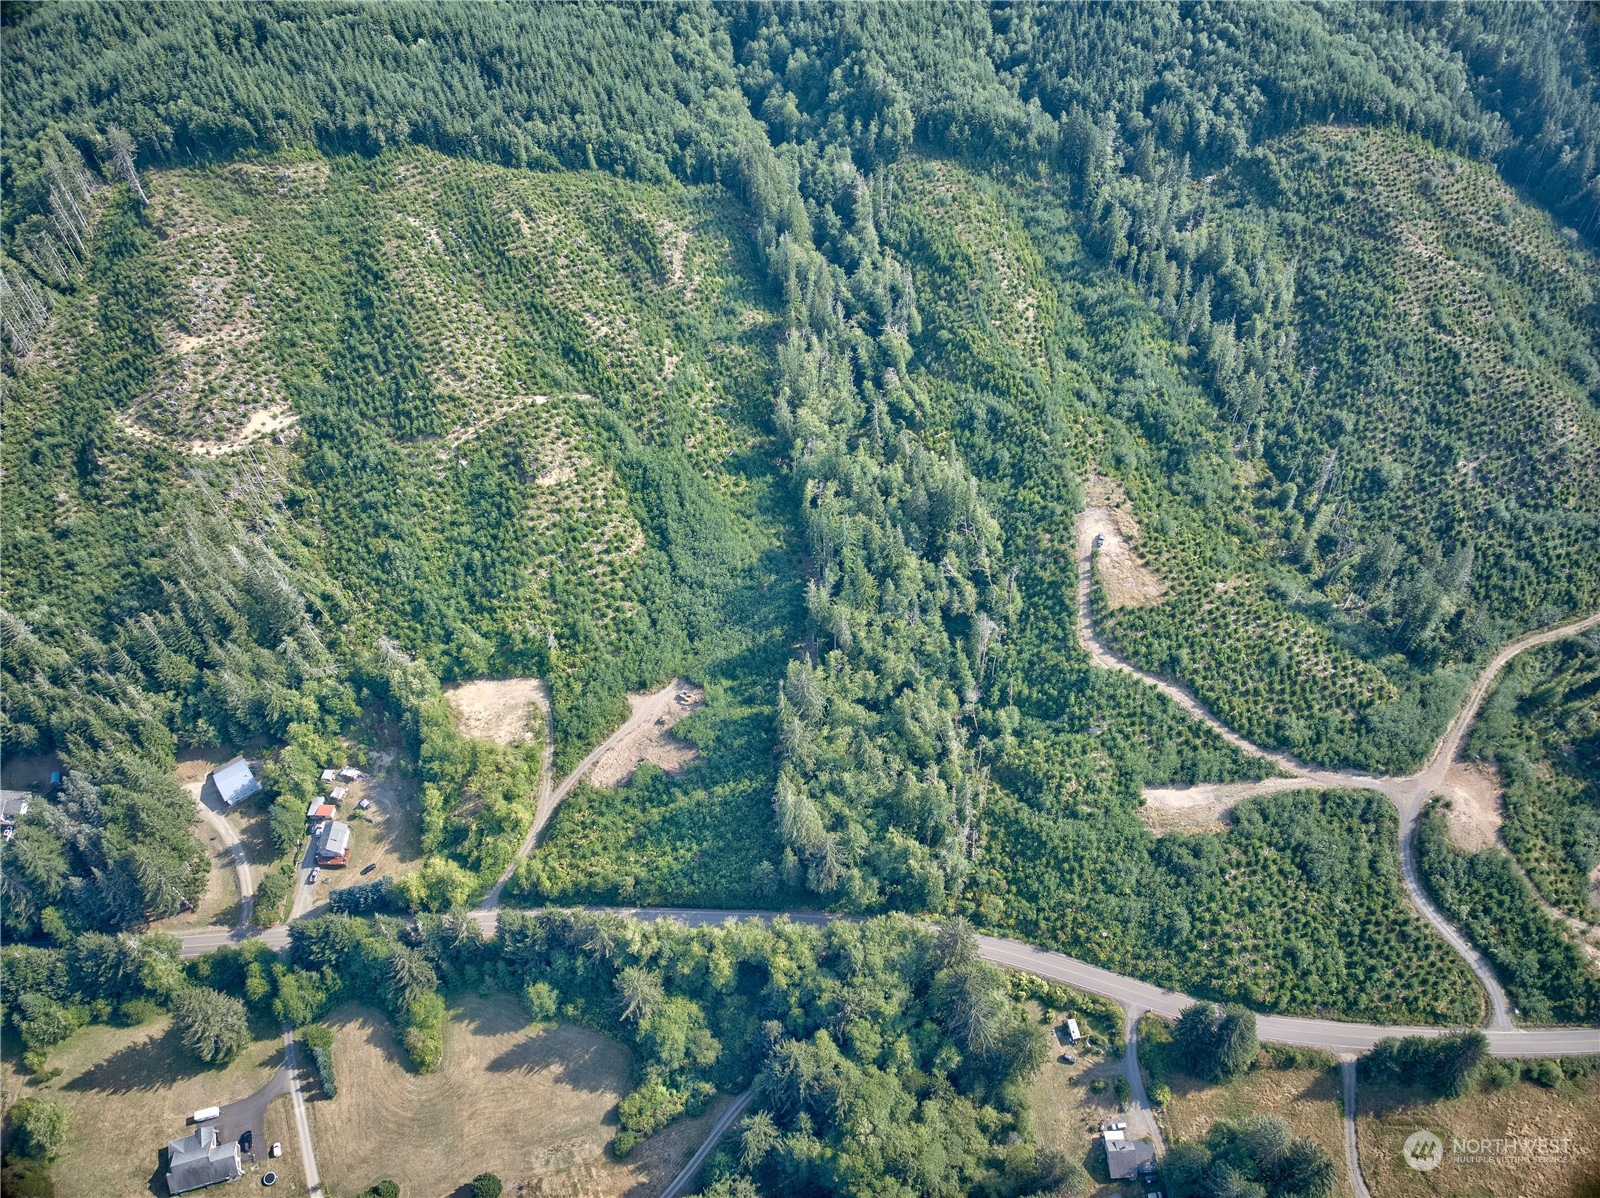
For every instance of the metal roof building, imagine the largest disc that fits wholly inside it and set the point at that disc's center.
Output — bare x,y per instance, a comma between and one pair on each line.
335,846
235,782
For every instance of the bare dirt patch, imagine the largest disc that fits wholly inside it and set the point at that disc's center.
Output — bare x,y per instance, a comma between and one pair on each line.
128,1091
1386,1115
652,740
261,424
535,1105
1202,808
1473,817
1108,519
507,711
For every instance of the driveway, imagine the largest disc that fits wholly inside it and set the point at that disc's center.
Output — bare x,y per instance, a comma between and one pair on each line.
249,1114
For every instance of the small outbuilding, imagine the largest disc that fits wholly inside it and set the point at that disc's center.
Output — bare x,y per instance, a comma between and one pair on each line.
350,774
320,810
329,775
338,793
13,805
234,781
201,1160
334,846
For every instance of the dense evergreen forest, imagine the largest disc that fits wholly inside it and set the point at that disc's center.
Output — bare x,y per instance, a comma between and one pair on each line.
351,350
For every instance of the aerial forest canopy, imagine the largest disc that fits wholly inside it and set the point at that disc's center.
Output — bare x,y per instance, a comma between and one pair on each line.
354,349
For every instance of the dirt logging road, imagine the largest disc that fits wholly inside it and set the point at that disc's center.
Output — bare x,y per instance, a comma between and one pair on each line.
1409,793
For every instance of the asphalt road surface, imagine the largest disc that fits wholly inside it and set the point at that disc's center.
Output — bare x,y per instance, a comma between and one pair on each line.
1330,1035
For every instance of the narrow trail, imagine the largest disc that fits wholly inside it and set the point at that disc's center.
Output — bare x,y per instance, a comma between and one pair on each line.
1352,1155
1409,793
308,1155
233,850
691,1169
646,710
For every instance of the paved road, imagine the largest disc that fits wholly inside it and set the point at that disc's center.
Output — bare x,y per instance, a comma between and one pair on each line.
1352,1156
685,1178
1409,793
233,849
1330,1035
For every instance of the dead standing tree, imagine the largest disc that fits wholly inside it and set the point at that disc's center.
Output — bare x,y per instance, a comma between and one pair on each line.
122,154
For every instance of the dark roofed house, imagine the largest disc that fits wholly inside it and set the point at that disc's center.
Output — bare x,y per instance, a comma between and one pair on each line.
235,782
199,1160
1125,1157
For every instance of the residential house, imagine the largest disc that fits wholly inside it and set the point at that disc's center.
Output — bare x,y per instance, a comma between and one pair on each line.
334,846
235,782
201,1160
1125,1157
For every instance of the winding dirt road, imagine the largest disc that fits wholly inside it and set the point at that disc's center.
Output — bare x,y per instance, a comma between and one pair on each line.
1409,793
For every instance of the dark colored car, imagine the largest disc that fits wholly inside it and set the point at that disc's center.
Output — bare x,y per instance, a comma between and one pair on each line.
246,1140
367,869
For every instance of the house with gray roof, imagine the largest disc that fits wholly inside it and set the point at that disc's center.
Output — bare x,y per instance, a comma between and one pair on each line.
235,782
200,1160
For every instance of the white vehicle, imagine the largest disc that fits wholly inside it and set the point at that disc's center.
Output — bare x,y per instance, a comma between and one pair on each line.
207,1112
311,878
277,1149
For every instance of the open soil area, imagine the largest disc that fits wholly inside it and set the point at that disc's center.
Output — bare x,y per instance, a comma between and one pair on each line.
1473,817
533,1104
129,1091
1128,582
507,711
1203,807
1307,1099
652,739
1387,1115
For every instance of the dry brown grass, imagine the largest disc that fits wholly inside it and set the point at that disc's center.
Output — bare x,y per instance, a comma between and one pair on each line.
1307,1099
129,1091
534,1105
1387,1115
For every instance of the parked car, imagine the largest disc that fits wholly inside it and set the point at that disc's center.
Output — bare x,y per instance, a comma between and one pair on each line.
1099,539
367,869
247,1140
276,1150
311,878
1068,1059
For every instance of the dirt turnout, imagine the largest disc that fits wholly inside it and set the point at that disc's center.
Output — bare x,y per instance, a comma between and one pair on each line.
1200,808
651,739
1128,582
498,709
1474,815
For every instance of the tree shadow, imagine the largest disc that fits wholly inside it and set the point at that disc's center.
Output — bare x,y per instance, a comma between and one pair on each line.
570,1056
153,1064
379,1030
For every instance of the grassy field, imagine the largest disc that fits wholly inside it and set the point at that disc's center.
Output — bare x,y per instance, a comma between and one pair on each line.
129,1091
1387,1115
534,1105
1308,1099
1067,1113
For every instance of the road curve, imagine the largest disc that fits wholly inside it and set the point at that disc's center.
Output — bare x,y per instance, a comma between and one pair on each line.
1409,793
1330,1035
